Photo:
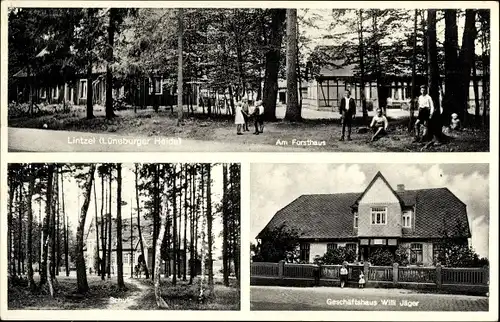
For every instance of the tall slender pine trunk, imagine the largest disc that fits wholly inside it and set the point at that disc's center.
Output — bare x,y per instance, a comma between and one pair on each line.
119,240
81,271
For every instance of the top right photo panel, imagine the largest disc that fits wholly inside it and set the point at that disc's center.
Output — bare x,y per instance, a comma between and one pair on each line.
249,80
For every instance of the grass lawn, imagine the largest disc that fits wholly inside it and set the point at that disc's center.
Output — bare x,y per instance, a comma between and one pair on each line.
138,296
147,123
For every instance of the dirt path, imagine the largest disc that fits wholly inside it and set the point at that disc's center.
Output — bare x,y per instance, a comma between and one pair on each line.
131,300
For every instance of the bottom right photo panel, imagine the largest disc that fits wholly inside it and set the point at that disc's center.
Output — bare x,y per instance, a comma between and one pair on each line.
372,237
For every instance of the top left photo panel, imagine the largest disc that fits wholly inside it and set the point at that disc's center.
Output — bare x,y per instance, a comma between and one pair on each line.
237,79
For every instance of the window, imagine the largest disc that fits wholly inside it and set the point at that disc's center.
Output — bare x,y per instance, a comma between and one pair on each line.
83,89
407,219
304,252
436,251
351,246
331,246
156,86
379,215
356,219
416,256
55,92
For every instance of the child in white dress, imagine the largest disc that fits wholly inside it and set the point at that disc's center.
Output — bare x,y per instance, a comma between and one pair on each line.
361,280
239,119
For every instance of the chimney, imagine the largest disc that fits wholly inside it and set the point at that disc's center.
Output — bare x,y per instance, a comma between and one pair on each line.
401,187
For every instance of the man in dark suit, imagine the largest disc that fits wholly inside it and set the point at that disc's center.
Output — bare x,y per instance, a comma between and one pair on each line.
347,112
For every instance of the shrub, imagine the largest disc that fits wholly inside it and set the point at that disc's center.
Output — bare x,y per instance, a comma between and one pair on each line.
381,257
338,256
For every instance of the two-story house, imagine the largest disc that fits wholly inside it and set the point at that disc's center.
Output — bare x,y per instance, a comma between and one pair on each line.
377,217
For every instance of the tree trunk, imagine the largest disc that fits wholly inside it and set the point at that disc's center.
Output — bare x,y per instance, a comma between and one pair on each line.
46,225
466,59
413,73
81,271
202,296
139,229
180,32
66,243
272,63
29,246
362,66
51,261
174,222
90,103
184,259
11,262
209,231
110,222
193,234
20,228
293,112
477,116
58,228
224,226
119,240
434,129
163,220
98,255
109,75
451,59
103,228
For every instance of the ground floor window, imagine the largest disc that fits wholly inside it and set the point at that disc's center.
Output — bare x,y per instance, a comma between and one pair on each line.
351,246
416,254
304,252
83,89
331,246
436,251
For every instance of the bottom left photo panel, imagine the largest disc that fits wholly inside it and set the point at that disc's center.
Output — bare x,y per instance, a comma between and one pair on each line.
123,236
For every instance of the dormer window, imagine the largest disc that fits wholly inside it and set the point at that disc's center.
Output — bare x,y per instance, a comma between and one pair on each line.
378,215
356,219
406,219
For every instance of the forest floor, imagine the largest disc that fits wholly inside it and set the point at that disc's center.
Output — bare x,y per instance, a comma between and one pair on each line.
322,129
138,296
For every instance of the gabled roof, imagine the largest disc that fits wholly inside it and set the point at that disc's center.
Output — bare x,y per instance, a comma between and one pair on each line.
380,176
329,216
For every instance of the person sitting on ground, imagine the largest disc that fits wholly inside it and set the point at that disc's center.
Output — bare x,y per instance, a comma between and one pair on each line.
362,281
379,125
239,119
258,115
455,122
343,274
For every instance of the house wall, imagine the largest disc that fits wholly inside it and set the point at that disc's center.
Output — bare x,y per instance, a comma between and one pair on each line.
379,195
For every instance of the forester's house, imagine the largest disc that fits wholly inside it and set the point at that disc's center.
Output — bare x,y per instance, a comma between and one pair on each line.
377,217
327,85
142,91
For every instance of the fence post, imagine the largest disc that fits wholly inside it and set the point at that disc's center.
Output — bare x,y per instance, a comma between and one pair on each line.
395,274
366,270
439,279
486,275
281,268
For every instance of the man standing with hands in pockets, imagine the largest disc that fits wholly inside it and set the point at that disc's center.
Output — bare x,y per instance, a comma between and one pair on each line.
347,112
